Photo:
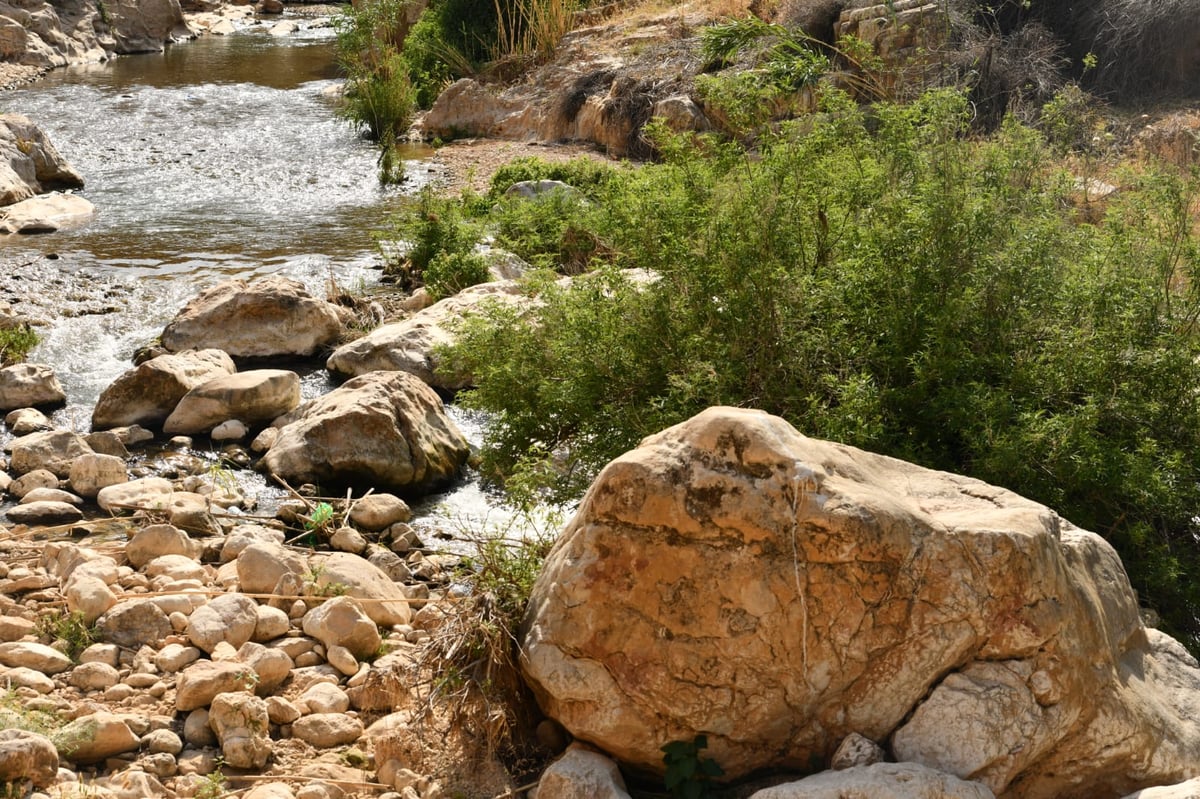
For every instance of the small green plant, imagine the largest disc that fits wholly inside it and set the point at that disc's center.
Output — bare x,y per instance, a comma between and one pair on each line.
688,775
428,227
71,629
15,344
316,583
214,785
451,272
14,714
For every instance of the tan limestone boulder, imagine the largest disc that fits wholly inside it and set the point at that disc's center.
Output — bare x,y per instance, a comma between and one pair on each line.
732,577
341,621
46,213
879,781
410,345
581,773
148,393
386,429
25,385
229,618
31,655
242,727
94,737
269,317
149,493
256,396
327,730
346,573
29,163
145,26
134,623
27,756
91,473
1182,790
52,450
204,680
156,540
261,565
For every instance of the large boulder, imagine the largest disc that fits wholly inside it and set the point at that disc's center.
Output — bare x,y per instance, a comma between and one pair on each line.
257,396
270,317
879,781
141,26
410,345
387,429
777,593
29,163
148,393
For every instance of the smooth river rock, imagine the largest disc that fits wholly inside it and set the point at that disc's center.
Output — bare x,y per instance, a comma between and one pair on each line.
148,393
269,317
384,429
254,397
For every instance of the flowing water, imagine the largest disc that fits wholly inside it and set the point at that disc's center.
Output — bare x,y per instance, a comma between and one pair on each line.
221,157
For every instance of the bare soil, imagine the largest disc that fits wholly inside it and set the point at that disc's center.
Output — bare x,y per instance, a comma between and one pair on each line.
471,163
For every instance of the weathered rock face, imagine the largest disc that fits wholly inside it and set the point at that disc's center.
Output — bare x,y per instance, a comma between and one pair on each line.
148,393
141,26
387,429
29,163
880,781
408,346
269,317
778,593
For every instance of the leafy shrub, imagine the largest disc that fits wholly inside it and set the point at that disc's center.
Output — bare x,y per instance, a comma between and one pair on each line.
451,272
895,285
588,175
15,344
688,775
427,228
549,231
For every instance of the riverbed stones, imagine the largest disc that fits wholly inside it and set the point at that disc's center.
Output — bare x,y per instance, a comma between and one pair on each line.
27,757
269,317
386,429
819,590
261,566
582,773
26,385
256,396
325,730
146,394
411,345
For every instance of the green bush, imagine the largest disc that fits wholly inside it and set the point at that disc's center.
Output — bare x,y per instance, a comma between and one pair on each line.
893,284
451,272
428,228
586,174
15,344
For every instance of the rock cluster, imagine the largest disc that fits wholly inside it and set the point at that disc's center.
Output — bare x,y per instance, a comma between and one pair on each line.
194,678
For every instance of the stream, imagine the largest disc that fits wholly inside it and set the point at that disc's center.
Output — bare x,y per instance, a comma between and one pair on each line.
219,158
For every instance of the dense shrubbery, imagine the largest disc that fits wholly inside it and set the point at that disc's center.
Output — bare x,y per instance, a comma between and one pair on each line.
887,282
